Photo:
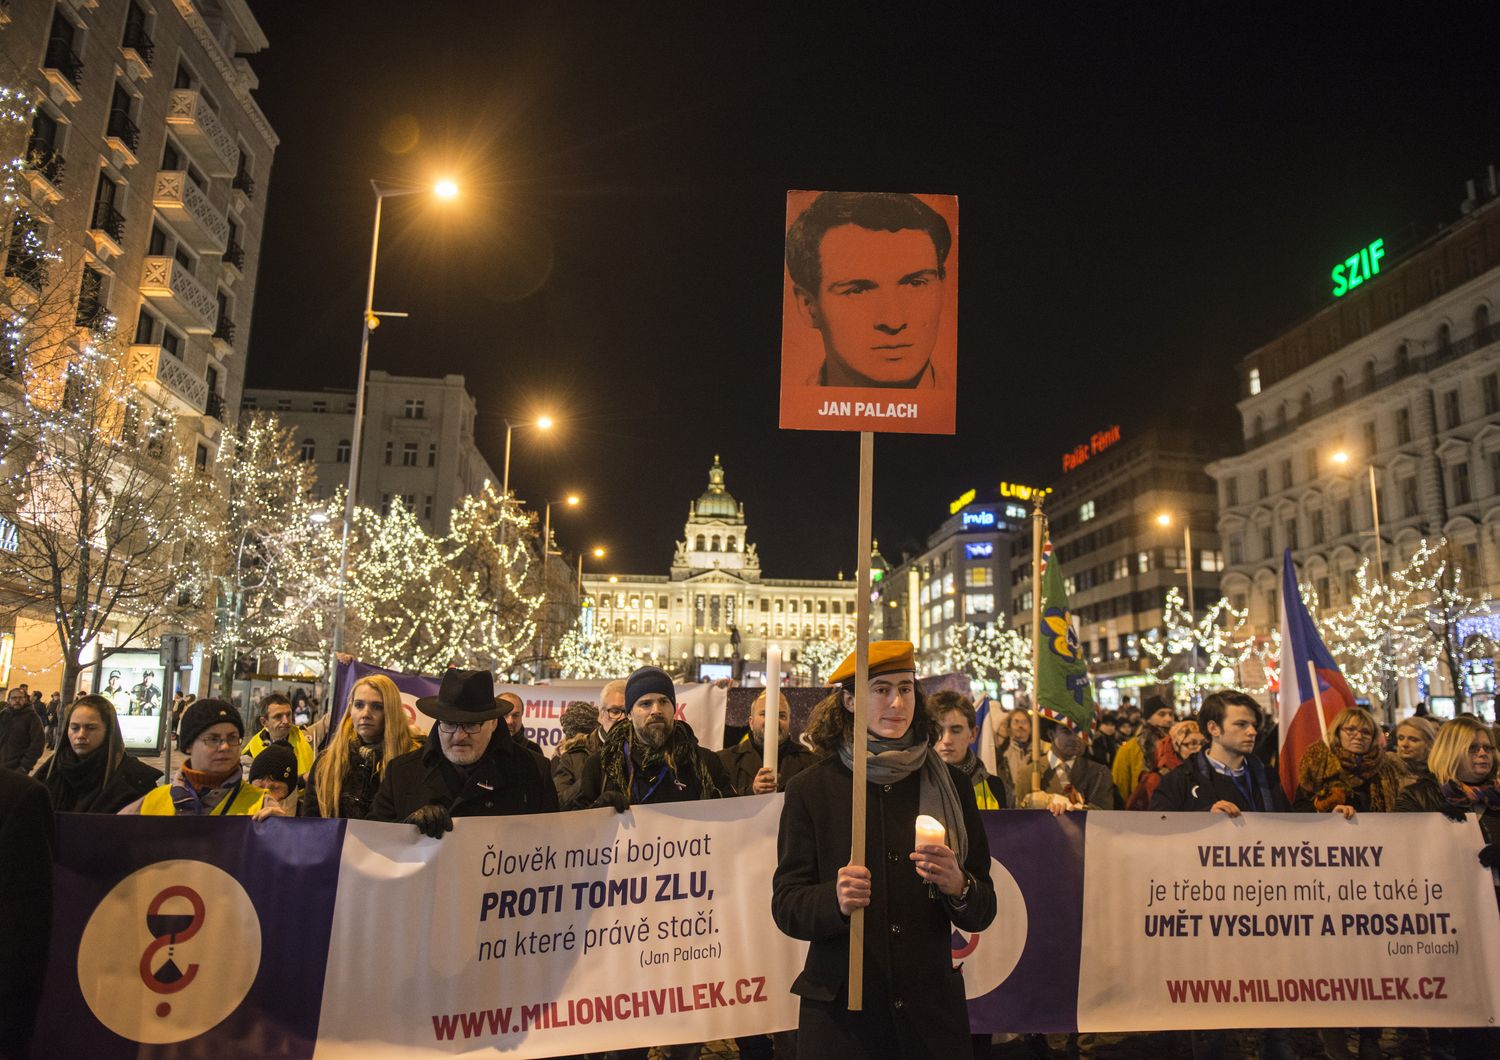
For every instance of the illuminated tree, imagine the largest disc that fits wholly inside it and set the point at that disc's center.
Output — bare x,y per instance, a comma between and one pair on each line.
990,653
820,656
590,652
1374,636
1218,639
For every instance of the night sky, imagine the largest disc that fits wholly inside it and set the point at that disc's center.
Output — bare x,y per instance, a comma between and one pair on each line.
1145,195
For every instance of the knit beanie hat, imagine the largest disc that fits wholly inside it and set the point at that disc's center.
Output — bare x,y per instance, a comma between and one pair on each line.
276,762
202,714
648,680
579,718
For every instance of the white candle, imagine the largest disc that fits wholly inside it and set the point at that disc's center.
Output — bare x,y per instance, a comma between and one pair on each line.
930,831
772,737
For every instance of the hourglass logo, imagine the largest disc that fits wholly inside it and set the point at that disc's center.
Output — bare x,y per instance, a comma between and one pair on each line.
170,952
988,958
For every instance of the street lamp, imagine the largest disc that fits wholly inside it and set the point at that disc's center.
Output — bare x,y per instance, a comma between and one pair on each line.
598,554
444,189
572,500
1165,519
541,423
1342,458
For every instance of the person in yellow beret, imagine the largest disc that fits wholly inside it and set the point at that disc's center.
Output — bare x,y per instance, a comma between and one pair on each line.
913,896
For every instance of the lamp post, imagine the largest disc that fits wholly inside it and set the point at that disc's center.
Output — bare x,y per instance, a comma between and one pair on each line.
572,500
541,423
1165,519
444,189
598,554
1342,458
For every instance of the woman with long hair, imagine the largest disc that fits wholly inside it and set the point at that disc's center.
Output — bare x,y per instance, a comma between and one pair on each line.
914,893
1414,738
344,779
1348,773
91,773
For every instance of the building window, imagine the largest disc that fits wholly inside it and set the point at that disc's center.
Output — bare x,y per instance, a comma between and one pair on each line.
1403,426
1142,562
1346,517
1410,505
1462,493
341,452
1262,482
976,577
1267,548
1435,284
1491,388
200,459
409,454
1371,440
1395,302
390,451
432,454
1086,511
980,603
427,508
385,504
1254,381
1315,525
1232,491
308,452
1289,531
320,406
1495,471
1451,411
414,409
1286,474
1236,549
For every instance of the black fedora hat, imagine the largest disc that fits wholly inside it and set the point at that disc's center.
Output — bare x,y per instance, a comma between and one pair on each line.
464,696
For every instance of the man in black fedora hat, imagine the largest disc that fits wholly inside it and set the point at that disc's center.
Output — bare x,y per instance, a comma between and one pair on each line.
469,767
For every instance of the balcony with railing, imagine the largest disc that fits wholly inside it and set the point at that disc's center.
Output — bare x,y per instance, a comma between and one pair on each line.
137,49
214,408
244,183
178,294
163,377
224,335
28,266
234,254
186,206
63,69
201,132
106,227
123,136
44,172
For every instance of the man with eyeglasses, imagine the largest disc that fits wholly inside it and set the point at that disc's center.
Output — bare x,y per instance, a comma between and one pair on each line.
469,767
210,782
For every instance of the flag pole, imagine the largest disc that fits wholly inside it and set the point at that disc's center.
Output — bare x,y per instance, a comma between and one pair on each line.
861,711
1312,673
1036,641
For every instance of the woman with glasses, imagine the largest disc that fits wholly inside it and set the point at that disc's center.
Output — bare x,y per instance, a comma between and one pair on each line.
91,773
1348,773
374,731
210,782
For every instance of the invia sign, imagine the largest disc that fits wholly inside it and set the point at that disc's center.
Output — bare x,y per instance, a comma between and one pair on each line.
979,550
977,519
10,536
1362,265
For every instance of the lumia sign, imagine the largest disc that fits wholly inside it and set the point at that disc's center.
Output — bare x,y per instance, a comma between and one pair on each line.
1021,493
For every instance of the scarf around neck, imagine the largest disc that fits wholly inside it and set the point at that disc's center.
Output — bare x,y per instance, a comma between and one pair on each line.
1478,797
629,762
890,761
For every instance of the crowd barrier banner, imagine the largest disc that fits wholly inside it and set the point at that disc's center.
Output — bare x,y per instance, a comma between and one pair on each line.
557,934
700,705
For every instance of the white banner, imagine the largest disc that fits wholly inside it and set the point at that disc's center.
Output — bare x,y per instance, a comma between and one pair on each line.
554,935
1194,920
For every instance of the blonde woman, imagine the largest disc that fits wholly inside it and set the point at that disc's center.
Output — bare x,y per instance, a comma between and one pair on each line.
374,731
1349,773
1414,738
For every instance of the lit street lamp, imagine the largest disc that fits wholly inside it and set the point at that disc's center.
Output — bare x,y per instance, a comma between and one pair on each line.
444,189
598,554
1165,519
1341,458
541,423
572,500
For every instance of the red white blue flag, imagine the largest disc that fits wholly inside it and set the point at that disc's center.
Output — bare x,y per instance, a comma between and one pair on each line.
1299,727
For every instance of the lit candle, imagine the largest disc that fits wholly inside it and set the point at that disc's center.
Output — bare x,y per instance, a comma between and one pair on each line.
930,831
772,738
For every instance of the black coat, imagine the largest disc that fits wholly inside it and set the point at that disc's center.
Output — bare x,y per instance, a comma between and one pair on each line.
26,896
1196,786
591,783
567,772
743,761
131,779
21,738
507,779
913,997
356,794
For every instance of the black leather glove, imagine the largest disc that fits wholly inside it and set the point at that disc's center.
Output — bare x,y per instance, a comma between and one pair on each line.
611,797
1489,856
1453,813
432,821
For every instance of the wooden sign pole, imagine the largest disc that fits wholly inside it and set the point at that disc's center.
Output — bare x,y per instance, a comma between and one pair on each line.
861,711
1036,644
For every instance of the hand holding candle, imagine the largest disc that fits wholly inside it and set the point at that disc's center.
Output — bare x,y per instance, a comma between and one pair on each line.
939,867
930,831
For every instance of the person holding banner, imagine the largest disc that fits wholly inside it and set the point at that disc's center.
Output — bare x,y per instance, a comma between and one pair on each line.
1226,777
91,773
1414,738
1348,773
374,732
580,722
469,767
211,782
744,761
913,898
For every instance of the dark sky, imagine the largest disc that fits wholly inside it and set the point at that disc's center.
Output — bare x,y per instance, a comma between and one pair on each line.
1147,192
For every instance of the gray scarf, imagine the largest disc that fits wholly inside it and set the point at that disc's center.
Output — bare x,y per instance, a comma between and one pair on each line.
893,760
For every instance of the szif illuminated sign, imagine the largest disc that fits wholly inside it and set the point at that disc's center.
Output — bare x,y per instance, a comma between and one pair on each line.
979,550
1362,265
1097,443
954,507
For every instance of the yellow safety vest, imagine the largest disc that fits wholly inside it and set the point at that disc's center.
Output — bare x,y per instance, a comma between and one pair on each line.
246,801
300,745
985,797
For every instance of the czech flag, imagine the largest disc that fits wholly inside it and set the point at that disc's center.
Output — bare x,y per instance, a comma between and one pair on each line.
1297,716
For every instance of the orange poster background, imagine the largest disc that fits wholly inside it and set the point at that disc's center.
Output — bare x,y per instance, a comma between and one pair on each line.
802,403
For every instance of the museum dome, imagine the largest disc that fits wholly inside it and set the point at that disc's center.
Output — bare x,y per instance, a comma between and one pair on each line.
716,501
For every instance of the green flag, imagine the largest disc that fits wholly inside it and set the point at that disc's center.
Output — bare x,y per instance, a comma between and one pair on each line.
1063,691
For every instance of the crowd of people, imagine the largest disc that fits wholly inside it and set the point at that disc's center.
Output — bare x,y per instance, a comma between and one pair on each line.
927,756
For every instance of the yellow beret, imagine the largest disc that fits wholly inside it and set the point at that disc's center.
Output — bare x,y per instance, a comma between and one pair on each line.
886,657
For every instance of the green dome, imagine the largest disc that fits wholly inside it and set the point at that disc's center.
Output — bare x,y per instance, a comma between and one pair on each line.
716,501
